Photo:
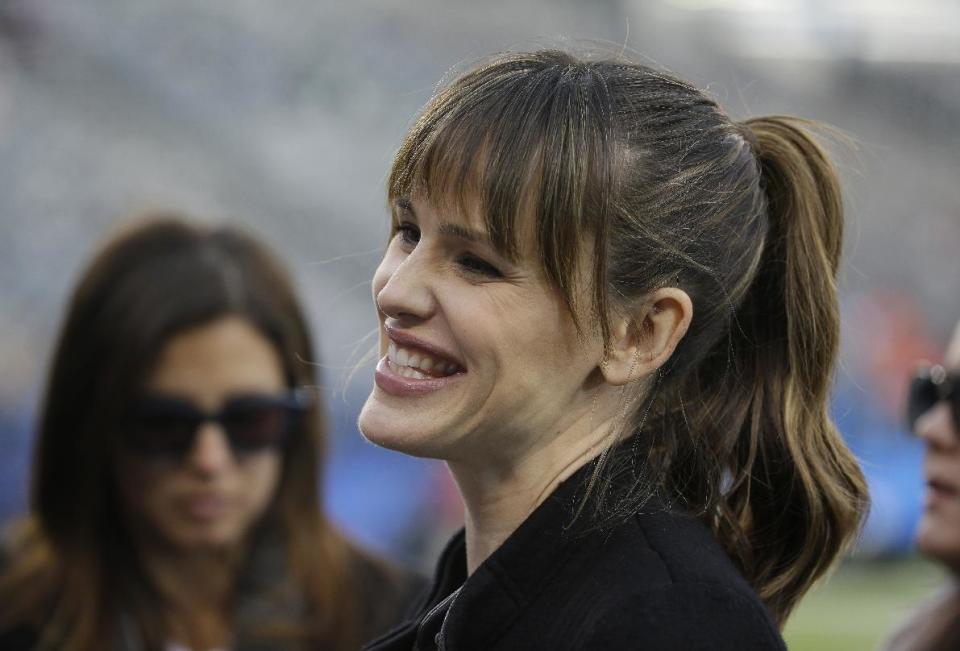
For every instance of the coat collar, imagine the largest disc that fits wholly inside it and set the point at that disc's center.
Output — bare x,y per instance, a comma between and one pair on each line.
511,578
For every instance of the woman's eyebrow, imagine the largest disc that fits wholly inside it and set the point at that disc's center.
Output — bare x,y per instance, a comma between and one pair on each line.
476,236
464,233
403,203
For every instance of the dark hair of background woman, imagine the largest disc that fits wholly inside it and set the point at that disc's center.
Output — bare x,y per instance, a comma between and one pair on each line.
72,569
667,191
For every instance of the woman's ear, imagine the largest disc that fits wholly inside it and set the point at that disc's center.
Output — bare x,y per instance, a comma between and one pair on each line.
643,341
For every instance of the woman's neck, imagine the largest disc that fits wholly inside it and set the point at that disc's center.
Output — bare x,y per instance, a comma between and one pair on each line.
497,499
196,589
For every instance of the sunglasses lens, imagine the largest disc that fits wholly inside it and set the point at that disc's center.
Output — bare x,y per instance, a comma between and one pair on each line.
255,425
923,395
162,428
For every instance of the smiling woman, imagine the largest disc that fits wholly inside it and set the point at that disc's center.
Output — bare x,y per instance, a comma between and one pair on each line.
612,311
174,498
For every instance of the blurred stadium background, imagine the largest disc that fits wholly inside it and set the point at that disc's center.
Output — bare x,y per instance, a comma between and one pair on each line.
283,117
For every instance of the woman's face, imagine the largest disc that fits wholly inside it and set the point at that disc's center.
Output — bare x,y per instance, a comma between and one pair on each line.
939,533
480,360
208,497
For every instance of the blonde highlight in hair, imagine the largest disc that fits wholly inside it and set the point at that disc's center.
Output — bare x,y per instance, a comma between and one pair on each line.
664,189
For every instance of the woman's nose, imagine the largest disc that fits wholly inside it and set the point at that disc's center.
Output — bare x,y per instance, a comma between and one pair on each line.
211,451
936,427
402,288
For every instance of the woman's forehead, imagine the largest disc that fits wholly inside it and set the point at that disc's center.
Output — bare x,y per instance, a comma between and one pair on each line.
461,212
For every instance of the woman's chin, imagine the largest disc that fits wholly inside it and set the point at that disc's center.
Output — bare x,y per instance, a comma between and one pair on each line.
387,431
206,539
939,540
396,441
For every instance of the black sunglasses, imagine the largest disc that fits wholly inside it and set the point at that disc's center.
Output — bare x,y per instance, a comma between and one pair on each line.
930,385
166,426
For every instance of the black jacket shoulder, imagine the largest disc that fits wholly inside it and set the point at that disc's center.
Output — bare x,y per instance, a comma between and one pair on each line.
680,591
658,581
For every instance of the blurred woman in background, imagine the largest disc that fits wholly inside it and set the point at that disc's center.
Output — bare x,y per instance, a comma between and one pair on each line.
933,414
175,490
612,311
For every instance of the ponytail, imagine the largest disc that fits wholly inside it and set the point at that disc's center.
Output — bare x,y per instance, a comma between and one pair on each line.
796,495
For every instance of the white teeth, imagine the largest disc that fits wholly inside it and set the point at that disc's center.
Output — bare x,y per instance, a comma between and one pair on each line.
409,363
406,371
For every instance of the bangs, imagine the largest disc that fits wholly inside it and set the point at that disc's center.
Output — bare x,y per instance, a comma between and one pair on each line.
526,141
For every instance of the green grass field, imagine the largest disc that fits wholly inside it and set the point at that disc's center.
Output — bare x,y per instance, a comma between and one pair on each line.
860,605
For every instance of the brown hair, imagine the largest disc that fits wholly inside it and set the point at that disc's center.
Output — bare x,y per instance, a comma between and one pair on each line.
666,190
73,568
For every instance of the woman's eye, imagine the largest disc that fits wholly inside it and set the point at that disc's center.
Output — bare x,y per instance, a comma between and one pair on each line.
475,265
409,233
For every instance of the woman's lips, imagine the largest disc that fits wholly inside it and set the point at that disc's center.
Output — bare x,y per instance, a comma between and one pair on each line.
404,345
206,507
939,491
413,366
398,381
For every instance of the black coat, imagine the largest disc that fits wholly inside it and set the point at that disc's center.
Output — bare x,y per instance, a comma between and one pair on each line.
657,582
